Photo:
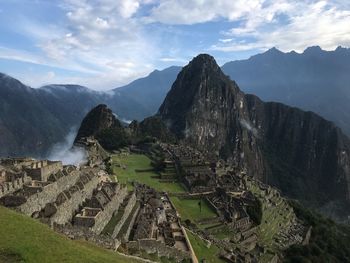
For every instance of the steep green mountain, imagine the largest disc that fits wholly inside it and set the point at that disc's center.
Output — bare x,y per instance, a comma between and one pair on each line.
301,153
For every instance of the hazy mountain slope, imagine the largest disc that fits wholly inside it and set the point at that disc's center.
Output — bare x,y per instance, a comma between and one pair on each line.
69,103
304,155
315,80
150,91
32,120
25,124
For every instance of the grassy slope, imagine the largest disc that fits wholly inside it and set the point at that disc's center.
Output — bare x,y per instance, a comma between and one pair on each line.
202,251
23,239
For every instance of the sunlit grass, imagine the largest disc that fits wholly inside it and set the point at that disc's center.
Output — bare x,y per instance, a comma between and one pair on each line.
24,239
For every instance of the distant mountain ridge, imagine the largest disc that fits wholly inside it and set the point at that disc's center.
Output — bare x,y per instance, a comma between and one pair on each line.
31,120
315,80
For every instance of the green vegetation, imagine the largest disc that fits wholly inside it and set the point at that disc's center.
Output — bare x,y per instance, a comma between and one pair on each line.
125,226
139,162
189,209
138,167
109,228
26,240
329,241
202,251
255,211
274,219
112,138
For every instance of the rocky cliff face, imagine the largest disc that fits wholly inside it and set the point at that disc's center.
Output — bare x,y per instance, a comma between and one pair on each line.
304,155
206,109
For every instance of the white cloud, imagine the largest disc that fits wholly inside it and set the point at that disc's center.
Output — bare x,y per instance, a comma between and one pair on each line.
128,7
306,23
173,59
110,41
225,40
200,11
98,37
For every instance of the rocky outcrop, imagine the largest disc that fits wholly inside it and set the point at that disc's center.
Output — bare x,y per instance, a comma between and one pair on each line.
304,155
102,124
97,120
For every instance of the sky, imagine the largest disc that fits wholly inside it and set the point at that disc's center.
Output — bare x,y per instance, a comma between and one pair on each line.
104,44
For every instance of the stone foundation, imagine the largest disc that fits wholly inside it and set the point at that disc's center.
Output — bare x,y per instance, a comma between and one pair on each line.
152,246
66,211
37,201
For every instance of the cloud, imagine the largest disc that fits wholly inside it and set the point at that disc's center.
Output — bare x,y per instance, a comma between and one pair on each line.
65,151
107,43
173,59
101,40
291,27
199,11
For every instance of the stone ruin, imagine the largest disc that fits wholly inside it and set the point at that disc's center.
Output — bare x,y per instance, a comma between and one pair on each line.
83,203
99,209
157,228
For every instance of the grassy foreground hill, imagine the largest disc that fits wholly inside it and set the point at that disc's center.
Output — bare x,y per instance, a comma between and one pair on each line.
23,239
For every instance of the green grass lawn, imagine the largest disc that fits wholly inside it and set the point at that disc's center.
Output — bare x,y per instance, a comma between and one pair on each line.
202,251
141,162
189,209
23,239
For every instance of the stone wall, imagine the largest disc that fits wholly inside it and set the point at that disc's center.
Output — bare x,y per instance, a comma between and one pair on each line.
102,218
36,202
10,187
66,211
81,233
44,170
127,210
131,224
153,246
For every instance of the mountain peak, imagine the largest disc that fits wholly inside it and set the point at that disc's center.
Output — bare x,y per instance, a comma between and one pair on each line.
98,119
204,60
273,50
313,50
200,85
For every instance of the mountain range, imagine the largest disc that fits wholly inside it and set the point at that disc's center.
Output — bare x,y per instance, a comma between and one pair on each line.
31,120
299,152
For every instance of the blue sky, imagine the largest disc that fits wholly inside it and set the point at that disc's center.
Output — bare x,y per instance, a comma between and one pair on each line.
104,44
